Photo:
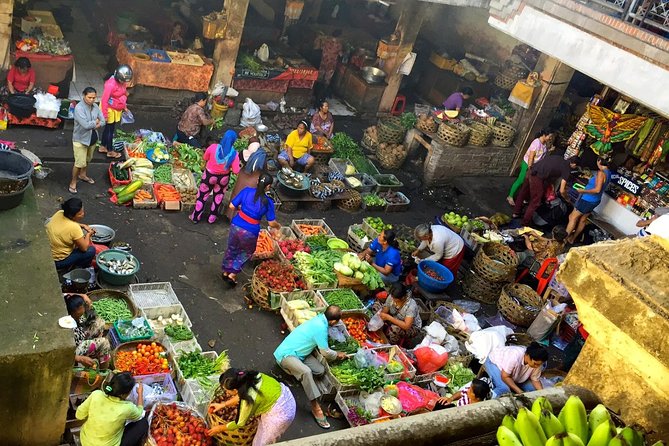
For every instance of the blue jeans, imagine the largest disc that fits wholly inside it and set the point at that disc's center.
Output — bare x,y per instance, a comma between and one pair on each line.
77,259
500,387
389,279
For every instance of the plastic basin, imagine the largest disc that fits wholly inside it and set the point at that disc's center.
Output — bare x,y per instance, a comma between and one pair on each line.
112,278
433,285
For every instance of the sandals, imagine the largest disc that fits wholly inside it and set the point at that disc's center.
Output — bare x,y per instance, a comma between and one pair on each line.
322,422
87,180
229,280
72,190
113,155
102,149
510,201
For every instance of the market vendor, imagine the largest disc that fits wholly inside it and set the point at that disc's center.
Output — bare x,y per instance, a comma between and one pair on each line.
252,205
70,247
87,120
474,392
400,314
322,123
257,395
90,343
192,120
113,103
297,147
253,161
295,356
175,38
457,99
111,420
21,77
446,246
516,369
658,224
543,173
540,248
387,257
537,150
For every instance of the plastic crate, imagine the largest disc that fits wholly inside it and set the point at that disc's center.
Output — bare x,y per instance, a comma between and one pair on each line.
145,204
124,339
324,293
197,397
341,399
371,232
156,294
399,207
186,346
340,165
287,313
166,312
386,187
372,208
356,243
181,379
166,382
313,222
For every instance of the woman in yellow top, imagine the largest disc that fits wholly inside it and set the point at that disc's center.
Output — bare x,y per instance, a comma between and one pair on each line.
298,145
69,246
257,395
105,414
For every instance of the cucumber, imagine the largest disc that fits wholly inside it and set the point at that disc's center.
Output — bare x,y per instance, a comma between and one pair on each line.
125,197
117,190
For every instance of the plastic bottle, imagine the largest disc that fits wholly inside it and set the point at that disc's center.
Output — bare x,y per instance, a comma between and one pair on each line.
70,111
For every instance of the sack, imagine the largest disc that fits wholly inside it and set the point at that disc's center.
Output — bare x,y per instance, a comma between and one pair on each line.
127,117
250,114
543,323
375,323
523,94
429,360
414,398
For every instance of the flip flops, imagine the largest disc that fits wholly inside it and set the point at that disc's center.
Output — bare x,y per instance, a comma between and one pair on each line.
87,180
72,190
229,280
322,422
113,155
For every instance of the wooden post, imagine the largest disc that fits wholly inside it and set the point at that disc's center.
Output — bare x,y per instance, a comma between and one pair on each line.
408,26
6,11
226,49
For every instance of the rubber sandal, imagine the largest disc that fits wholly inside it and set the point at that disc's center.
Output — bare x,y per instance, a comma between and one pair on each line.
510,201
88,180
212,219
322,422
102,150
72,190
115,156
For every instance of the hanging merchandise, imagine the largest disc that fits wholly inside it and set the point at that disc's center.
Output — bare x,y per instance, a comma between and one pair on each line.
525,92
609,127
577,138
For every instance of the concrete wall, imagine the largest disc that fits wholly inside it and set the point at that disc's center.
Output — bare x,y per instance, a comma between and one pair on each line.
36,355
445,162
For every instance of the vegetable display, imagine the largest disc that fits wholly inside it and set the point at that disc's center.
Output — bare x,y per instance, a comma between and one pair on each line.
166,192
133,329
373,200
119,173
368,378
432,273
317,267
112,309
345,299
459,375
377,224
357,328
360,233
195,365
350,345
228,413
392,197
241,143
278,276
309,230
290,246
172,425
408,120
163,173
178,332
352,266
317,242
264,244
143,195
454,219
300,311
190,157
146,359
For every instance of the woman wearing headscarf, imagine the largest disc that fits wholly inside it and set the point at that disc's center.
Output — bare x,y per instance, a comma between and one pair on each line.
252,161
221,159
252,205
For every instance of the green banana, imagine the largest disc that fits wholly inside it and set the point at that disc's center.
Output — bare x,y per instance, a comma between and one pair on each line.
556,440
603,434
540,404
660,443
597,416
550,423
506,437
528,428
573,418
509,422
619,440
632,436
572,440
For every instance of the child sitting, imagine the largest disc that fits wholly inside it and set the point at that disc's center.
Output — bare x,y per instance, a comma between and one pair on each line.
473,392
542,248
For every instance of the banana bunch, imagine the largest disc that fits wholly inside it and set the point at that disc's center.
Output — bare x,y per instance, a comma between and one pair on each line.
572,427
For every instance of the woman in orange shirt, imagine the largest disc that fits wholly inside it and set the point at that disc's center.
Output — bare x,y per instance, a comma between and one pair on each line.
21,77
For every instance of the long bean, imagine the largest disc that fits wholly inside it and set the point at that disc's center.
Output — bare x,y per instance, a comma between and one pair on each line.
111,309
163,174
344,299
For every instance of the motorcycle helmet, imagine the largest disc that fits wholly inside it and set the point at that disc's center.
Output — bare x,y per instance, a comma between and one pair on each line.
123,73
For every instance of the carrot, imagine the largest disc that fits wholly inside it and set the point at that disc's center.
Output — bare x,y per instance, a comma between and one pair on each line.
309,230
264,243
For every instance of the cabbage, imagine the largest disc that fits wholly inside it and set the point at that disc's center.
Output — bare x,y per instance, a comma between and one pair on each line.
358,275
297,304
343,269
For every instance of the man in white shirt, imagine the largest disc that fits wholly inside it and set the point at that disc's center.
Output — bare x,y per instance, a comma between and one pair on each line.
656,225
447,247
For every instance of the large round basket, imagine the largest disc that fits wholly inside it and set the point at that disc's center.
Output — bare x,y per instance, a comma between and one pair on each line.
113,294
502,134
388,158
480,135
505,82
321,158
368,142
428,125
477,288
240,437
454,134
351,202
496,262
519,304
390,130
516,71
260,292
132,346
320,206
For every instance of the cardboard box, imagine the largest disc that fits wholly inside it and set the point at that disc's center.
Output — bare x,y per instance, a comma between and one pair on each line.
171,205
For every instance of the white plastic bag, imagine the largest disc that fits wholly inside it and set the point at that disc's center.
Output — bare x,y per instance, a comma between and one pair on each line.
375,323
482,342
371,402
127,117
263,52
250,114
436,333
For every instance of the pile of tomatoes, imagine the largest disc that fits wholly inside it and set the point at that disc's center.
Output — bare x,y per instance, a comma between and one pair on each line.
172,425
278,276
357,328
146,359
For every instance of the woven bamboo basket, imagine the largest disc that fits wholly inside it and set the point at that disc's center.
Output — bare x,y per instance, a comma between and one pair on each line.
517,71
351,202
427,125
390,130
388,158
368,142
321,158
495,262
460,335
477,288
240,437
505,82
320,206
520,339
480,135
519,304
453,134
260,292
502,134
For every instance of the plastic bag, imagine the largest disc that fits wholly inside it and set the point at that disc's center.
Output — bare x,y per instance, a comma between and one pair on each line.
429,360
337,333
414,398
375,323
263,52
371,402
451,344
367,358
250,114
127,117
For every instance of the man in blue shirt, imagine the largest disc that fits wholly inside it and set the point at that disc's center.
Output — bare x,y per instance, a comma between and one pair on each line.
387,257
294,356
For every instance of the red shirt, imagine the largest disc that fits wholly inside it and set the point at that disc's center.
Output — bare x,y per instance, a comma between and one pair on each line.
21,81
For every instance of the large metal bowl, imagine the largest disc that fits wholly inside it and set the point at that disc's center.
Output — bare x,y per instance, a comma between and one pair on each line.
373,75
103,234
